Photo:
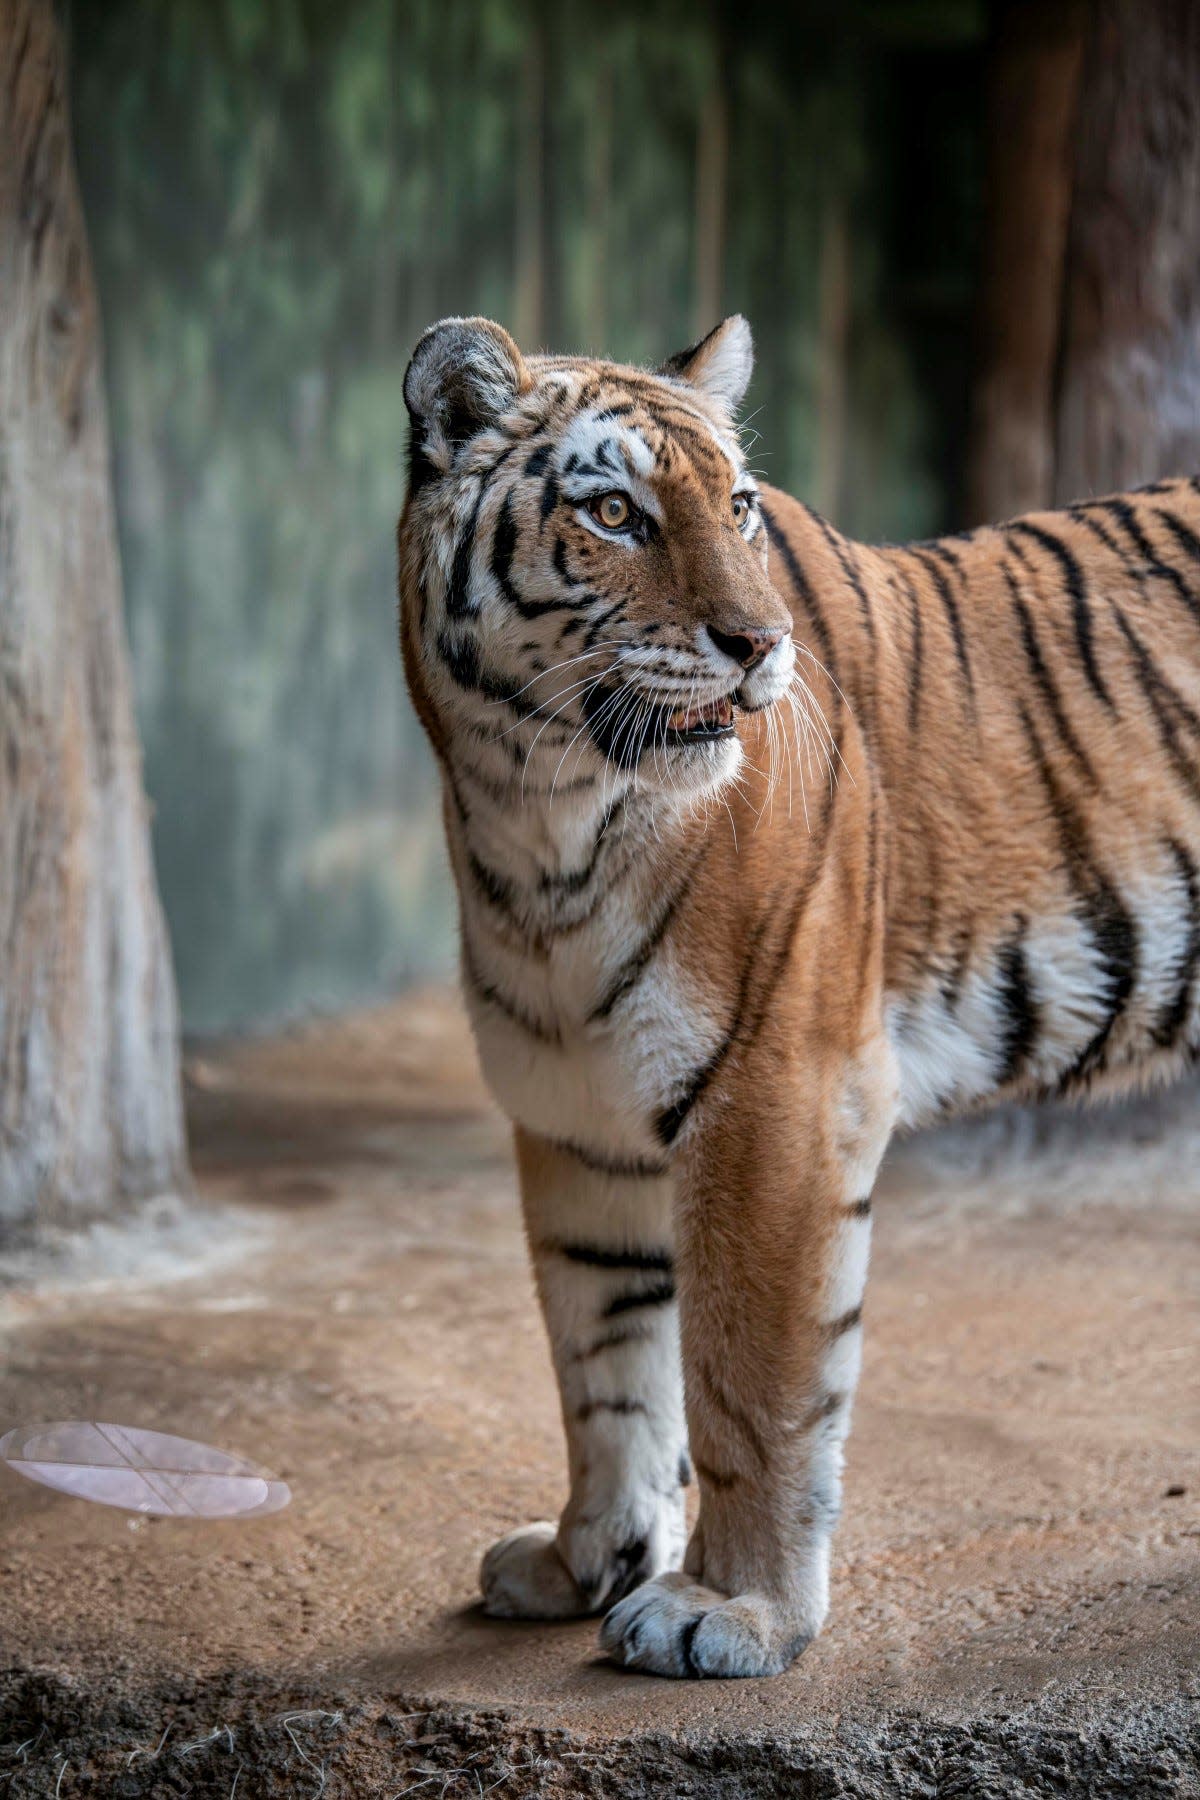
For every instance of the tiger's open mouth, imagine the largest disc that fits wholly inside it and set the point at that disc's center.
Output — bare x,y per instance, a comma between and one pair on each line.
714,720
626,727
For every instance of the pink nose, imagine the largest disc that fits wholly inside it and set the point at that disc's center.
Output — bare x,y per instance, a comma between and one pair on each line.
747,647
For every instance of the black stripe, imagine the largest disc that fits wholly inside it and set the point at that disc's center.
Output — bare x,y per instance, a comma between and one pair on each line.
824,1408
849,1321
632,970
1150,564
536,464
686,1639
1080,606
458,593
1098,907
492,996
1183,534
1022,1019
598,624
859,1209
549,498
605,453
1166,704
464,664
601,1163
736,1414
927,557
715,1477
600,1256
745,1022
613,1340
1045,681
614,412
951,988
916,652
576,880
504,543
1115,937
560,564
1175,1014
670,1121
624,1407
660,1294
808,600
495,889
849,568
1127,518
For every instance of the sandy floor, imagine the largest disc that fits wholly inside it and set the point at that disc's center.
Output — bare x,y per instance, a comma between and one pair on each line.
1017,1589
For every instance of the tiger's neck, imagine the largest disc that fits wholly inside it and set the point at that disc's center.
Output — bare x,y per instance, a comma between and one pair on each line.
547,859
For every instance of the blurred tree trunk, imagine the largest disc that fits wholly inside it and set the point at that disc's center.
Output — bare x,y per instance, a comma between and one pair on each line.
1129,388
1031,108
89,1069
1089,344
833,345
599,206
712,182
529,307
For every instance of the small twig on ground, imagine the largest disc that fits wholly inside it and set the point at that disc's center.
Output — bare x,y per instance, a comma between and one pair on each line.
287,1720
66,1763
152,1754
22,1750
236,1779
224,1731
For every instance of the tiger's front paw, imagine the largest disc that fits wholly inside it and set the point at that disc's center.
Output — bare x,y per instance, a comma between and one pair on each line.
588,1563
674,1626
524,1577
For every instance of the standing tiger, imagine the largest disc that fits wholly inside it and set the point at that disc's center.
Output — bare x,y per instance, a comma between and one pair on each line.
767,844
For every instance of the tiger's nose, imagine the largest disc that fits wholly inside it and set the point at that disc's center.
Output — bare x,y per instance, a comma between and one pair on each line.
747,648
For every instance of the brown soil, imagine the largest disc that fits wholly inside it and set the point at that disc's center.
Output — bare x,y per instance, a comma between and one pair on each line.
1017,1590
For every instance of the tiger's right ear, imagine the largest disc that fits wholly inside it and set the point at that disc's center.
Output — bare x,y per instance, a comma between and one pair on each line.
464,374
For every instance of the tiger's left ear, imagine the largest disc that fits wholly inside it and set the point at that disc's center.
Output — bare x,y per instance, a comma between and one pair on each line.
720,365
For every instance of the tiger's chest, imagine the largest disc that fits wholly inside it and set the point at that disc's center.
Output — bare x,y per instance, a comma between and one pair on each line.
590,1045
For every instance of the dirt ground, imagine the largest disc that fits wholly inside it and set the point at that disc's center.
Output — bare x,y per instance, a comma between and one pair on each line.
1016,1603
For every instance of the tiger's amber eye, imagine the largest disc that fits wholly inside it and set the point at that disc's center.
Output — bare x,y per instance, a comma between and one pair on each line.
741,509
612,510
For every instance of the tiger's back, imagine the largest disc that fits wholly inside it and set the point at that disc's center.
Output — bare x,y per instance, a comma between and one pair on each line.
1029,697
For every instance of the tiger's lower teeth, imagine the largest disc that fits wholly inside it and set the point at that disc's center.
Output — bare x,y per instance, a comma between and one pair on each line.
708,720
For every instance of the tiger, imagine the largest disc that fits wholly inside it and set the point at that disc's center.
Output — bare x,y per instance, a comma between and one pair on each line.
768,845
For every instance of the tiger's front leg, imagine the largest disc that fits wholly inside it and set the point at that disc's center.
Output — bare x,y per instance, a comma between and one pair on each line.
602,1249
773,1227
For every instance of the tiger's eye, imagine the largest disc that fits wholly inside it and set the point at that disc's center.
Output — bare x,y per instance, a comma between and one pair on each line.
741,509
612,510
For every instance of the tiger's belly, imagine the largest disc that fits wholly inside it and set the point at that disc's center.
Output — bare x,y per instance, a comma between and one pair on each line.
1090,995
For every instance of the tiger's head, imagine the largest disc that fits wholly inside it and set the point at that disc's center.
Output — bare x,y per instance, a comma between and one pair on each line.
584,563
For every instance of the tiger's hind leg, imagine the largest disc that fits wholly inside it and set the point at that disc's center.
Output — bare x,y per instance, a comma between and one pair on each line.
774,1231
602,1252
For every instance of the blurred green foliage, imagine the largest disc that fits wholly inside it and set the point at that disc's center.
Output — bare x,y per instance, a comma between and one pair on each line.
282,194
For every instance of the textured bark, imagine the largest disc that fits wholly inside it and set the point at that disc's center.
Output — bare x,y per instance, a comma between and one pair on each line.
90,1113
1031,110
1089,341
1129,392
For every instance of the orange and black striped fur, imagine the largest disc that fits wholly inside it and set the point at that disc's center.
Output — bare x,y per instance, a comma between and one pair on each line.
767,844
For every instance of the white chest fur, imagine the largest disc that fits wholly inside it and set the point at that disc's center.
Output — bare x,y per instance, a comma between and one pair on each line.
589,1028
